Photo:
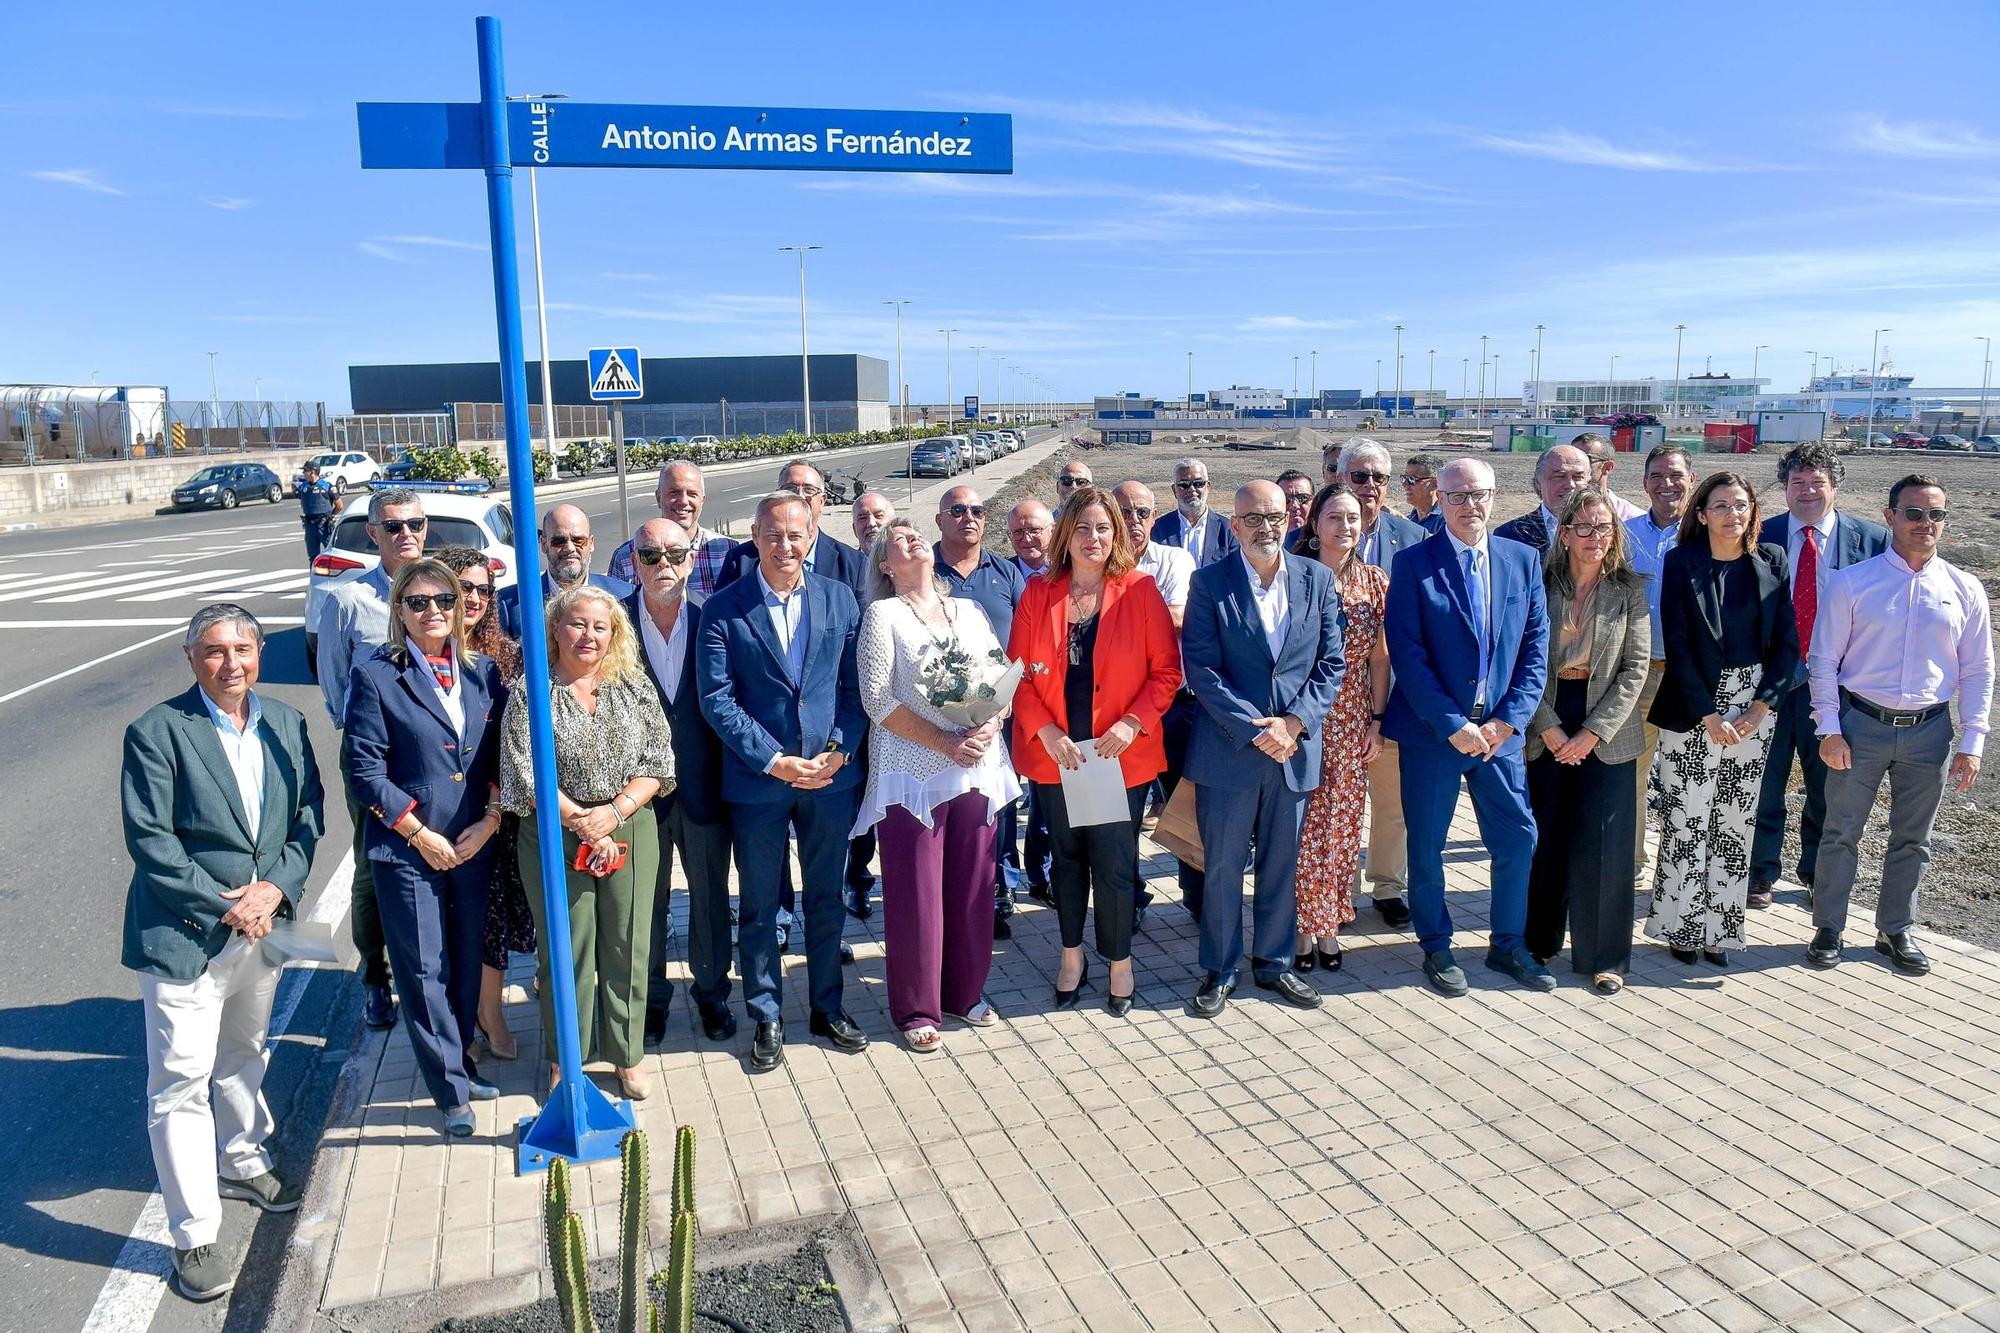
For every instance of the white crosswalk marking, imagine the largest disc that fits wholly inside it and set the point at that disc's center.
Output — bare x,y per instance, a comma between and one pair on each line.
125,583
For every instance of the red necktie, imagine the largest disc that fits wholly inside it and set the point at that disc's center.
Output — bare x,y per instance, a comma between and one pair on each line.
1805,589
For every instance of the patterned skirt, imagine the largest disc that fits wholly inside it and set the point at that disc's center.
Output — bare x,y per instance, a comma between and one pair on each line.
1708,816
510,928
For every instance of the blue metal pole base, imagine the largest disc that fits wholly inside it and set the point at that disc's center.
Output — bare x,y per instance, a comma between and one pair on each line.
577,1122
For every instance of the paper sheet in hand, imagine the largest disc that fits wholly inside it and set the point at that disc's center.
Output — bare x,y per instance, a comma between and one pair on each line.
299,941
1095,793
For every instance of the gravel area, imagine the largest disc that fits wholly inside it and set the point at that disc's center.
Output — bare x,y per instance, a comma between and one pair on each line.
793,1293
1961,895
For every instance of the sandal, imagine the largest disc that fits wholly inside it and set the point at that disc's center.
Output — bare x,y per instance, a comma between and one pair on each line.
1330,961
981,1015
1608,983
923,1039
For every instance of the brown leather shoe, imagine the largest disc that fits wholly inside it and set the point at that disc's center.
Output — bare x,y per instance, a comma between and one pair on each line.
1760,894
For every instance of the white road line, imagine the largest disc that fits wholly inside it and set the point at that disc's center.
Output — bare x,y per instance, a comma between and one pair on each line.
63,582
125,585
137,622
137,1282
180,628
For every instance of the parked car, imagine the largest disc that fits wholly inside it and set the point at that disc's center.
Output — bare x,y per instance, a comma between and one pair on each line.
982,449
1880,441
459,513
1956,444
708,440
227,485
962,444
1904,439
347,471
1016,441
668,441
934,458
1986,444
399,467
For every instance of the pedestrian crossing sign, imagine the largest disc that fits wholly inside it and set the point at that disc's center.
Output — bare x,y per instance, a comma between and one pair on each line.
615,374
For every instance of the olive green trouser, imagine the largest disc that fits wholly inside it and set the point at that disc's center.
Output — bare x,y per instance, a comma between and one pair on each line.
610,938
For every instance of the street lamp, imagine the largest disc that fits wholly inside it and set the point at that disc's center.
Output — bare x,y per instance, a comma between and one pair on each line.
1538,372
1482,379
1874,374
805,349
1431,377
902,385
1378,379
1985,380
1190,396
950,400
1679,331
214,397
1815,369
1313,391
1295,375
1396,406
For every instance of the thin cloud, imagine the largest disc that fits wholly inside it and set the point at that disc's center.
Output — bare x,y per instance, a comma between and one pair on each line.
1246,139
1257,324
228,203
439,242
81,178
1916,139
1587,150
381,251
269,319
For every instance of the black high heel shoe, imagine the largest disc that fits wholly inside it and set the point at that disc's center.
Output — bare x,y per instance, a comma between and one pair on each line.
1120,1005
1719,957
1066,999
1682,955
1330,961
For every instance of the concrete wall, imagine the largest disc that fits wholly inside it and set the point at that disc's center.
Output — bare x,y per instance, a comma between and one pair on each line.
54,488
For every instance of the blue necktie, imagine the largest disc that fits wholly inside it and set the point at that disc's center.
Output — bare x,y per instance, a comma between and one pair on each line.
1475,592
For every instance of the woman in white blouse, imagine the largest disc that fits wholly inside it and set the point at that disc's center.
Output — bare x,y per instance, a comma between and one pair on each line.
933,791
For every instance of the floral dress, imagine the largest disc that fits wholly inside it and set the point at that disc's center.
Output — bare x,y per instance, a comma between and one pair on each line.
1330,842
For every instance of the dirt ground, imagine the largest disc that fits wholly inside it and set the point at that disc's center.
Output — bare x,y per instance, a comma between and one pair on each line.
1961,895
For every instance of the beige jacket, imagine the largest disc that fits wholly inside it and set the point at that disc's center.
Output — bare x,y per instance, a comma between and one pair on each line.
1621,649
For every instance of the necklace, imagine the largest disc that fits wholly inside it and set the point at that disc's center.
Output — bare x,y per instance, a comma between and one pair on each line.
951,626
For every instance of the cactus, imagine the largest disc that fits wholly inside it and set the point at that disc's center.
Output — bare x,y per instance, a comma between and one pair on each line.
573,1279
680,1276
555,1206
633,1246
684,1171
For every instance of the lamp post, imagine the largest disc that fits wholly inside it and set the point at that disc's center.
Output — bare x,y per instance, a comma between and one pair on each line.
1313,390
1295,375
1464,380
1679,331
1431,376
1538,372
1496,378
950,399
1378,379
902,385
1611,386
1985,380
1874,373
1190,394
1396,407
1815,369
1482,379
214,397
805,348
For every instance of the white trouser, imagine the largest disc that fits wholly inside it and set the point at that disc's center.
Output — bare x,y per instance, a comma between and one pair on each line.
209,1031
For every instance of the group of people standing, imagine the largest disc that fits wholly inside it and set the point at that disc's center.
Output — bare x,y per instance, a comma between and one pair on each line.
1325,671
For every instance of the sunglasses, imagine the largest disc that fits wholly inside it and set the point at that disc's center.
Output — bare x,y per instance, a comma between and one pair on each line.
1072,481
475,589
563,539
962,510
1135,511
1916,514
395,527
1198,484
1270,521
653,555
1368,478
420,602
804,492
1409,480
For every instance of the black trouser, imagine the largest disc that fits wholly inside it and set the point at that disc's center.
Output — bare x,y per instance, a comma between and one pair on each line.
1175,729
1581,878
704,853
1093,866
365,919
1794,734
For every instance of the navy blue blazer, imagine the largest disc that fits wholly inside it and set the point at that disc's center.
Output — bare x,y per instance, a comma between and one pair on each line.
832,559
1434,649
1528,529
403,754
1854,539
697,751
1170,529
1230,669
510,598
749,697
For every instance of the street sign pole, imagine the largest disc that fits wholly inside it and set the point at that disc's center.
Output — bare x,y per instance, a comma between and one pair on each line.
618,441
578,1121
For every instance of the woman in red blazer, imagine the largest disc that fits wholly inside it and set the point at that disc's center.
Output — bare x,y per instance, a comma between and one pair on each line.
1100,666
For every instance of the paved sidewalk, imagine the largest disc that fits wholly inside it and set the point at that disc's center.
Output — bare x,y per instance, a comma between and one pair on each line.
1759,1148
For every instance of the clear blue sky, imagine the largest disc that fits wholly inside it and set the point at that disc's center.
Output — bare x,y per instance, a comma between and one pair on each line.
1248,183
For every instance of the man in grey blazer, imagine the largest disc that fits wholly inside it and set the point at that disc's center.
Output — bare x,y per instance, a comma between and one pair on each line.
222,807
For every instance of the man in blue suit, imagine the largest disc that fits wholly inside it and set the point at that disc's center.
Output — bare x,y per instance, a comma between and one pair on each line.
1191,524
693,823
566,546
1816,538
1558,471
1468,640
1261,646
776,669
825,556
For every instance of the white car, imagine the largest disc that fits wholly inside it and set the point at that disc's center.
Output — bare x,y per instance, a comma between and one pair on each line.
703,439
460,513
1019,439
348,472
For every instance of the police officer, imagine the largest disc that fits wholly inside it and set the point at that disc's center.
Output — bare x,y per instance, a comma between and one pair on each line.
317,501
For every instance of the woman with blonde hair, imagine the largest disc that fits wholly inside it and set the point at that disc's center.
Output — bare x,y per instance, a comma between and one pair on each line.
612,757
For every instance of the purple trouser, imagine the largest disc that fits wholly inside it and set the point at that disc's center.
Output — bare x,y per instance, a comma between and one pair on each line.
937,909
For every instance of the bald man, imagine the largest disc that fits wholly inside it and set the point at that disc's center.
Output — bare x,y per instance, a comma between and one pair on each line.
566,547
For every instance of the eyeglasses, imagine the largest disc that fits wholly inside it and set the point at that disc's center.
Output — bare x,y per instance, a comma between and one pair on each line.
805,492
420,602
1192,484
1916,514
1271,522
1590,529
1468,497
562,539
1368,478
962,510
1135,511
1067,480
1728,507
475,589
395,527
653,555
1409,480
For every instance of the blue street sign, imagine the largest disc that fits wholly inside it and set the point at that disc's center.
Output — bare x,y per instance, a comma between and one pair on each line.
616,374
972,407
410,135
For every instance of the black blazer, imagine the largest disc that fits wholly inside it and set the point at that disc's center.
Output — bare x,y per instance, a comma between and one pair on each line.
697,749
1528,529
1691,633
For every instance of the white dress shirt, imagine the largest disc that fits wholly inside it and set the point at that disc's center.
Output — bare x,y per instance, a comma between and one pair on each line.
1193,532
452,700
1904,639
1171,568
245,752
1458,550
1274,604
1795,540
667,652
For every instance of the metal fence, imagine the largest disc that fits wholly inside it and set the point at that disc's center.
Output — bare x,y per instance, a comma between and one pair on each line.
485,422
228,426
382,433
54,424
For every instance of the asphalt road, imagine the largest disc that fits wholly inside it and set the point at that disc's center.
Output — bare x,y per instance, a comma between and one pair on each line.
90,622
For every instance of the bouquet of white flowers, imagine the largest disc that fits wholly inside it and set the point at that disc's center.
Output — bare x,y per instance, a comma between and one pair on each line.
968,689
